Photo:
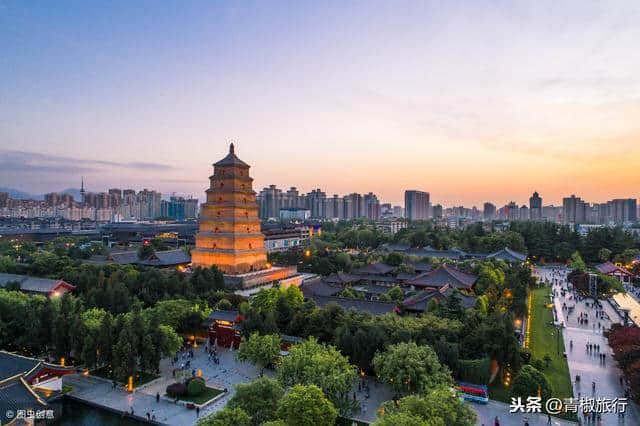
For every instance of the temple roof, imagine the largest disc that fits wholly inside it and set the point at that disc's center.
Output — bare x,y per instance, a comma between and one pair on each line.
442,276
33,284
231,159
369,306
16,394
12,365
374,268
508,255
609,268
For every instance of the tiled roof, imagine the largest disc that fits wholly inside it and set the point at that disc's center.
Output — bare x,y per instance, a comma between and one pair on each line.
453,254
167,258
341,278
32,284
320,287
159,258
422,266
372,288
124,257
223,315
16,394
395,247
11,365
442,276
372,307
406,276
374,268
508,255
231,159
609,268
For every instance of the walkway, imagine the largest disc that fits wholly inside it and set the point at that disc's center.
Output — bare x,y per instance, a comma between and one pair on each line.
587,365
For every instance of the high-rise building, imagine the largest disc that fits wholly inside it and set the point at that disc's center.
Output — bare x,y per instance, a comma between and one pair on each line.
4,200
489,211
180,208
354,206
416,205
372,206
229,235
52,199
535,207
335,207
573,210
317,203
398,211
437,211
270,202
115,197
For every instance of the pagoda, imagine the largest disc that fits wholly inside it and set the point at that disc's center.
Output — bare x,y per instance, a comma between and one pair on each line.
229,235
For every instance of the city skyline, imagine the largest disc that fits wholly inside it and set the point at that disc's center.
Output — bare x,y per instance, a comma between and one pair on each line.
470,103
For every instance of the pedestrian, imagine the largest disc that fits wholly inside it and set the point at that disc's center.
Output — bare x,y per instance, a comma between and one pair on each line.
496,422
197,411
148,416
158,397
548,418
132,410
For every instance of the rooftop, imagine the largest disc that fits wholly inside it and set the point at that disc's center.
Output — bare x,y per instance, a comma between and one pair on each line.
34,284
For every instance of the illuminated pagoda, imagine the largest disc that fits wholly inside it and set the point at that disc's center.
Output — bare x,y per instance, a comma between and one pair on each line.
229,235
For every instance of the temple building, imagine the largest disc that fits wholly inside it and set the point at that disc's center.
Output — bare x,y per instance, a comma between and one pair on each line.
229,236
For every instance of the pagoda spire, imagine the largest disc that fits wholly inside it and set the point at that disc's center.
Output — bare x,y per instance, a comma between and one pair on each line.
231,149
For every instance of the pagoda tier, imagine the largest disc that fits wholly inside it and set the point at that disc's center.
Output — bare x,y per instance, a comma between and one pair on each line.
229,235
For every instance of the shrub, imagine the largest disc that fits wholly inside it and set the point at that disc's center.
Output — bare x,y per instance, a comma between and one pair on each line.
538,364
175,390
196,386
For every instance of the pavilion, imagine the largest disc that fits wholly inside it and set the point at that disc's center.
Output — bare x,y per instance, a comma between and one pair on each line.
608,268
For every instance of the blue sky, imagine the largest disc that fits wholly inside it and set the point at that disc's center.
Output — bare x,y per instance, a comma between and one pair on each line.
471,101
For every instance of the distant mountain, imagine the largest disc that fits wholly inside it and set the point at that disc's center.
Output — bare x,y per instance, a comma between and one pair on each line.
20,195
75,192
16,194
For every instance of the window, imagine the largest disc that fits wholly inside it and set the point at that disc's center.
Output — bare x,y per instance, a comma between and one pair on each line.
250,246
215,245
248,229
216,230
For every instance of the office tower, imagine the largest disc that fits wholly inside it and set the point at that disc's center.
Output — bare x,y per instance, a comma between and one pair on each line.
372,206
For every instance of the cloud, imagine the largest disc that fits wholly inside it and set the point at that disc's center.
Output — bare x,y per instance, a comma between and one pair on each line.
32,162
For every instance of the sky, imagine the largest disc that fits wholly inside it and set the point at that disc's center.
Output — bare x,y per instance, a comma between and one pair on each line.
470,101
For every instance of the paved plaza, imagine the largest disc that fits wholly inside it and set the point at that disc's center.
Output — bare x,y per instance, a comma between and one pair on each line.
225,375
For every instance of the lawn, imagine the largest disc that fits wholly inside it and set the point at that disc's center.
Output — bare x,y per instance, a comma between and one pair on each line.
546,341
208,394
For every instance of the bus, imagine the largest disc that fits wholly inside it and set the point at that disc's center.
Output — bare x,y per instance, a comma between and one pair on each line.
475,393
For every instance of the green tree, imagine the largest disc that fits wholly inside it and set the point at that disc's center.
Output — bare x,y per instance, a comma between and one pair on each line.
145,251
260,398
604,254
307,406
260,350
227,417
577,264
396,294
409,368
312,363
438,406
528,381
